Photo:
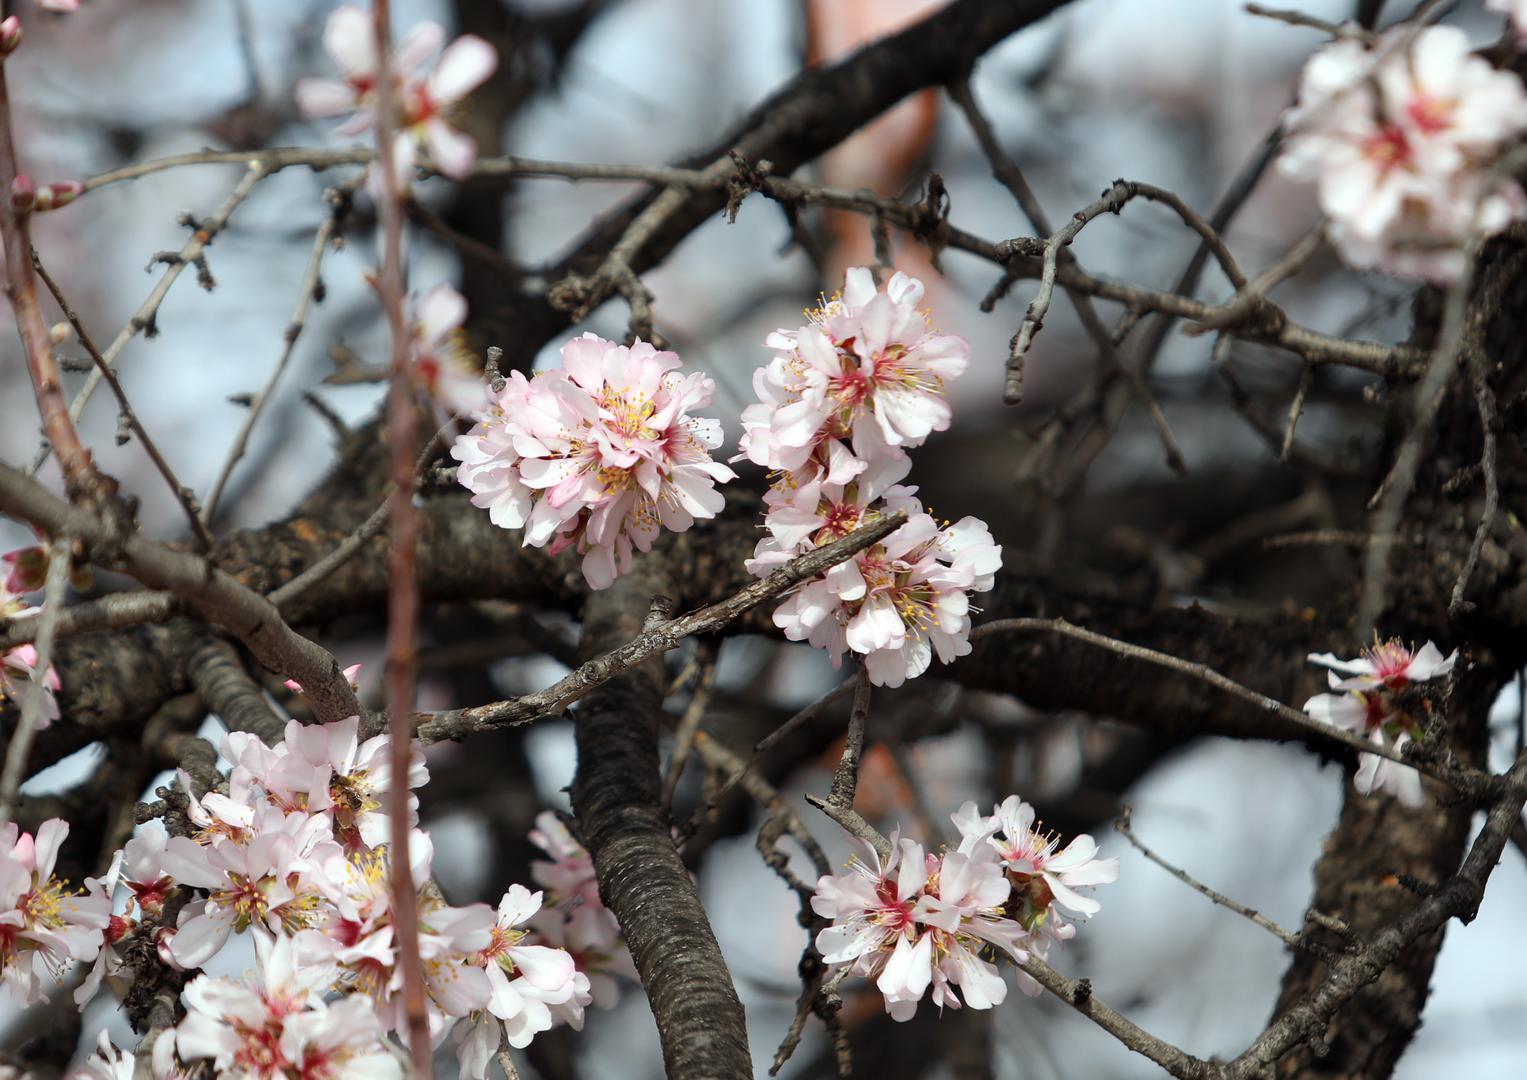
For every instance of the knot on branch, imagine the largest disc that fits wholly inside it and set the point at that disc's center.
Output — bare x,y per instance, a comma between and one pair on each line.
747,179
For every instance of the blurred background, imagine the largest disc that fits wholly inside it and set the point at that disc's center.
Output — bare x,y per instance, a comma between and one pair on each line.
1181,93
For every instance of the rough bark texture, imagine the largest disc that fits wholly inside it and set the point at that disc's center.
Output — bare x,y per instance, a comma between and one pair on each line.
1379,846
617,798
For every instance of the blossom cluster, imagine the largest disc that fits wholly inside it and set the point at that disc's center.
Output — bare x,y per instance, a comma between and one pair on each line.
916,921
1405,138
601,453
1372,702
293,852
425,97
840,403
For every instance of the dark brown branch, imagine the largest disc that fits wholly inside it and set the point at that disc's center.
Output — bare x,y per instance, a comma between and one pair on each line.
617,797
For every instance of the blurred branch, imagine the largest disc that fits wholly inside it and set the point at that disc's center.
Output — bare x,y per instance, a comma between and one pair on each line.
183,495
308,290
193,253
212,593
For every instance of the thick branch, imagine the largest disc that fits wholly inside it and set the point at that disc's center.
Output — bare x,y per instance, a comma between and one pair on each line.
617,795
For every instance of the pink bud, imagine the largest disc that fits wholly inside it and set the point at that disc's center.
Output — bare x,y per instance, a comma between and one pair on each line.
10,35
29,569
23,192
58,194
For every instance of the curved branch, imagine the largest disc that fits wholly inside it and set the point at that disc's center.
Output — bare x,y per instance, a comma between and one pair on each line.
617,796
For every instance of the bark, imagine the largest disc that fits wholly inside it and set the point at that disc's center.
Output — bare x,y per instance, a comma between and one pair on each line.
617,798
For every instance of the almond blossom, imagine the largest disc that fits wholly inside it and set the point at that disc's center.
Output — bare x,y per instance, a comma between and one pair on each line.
425,100
918,921
898,602
527,982
326,769
265,884
1371,704
1044,875
277,1024
867,371
18,671
439,353
1402,138
601,454
44,925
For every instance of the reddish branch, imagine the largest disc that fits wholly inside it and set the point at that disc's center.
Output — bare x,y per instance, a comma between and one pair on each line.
403,593
21,289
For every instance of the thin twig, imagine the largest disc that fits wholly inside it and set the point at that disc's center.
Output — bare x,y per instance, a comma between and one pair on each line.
805,715
20,747
1299,18
1469,781
689,723
57,421
1489,422
183,495
193,251
458,723
845,777
1288,937
1112,202
1394,492
1011,177
307,291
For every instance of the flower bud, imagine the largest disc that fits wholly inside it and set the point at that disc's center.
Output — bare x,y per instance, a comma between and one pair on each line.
23,192
58,194
10,35
29,569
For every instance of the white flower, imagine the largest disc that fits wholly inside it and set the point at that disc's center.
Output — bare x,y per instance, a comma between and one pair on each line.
866,370
1403,138
1371,705
276,1023
1044,873
43,924
602,454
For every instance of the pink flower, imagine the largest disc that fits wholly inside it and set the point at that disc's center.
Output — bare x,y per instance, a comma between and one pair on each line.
866,370
898,602
1389,664
43,925
919,922
1371,705
265,883
276,1024
325,769
424,100
1044,873
29,569
18,670
107,1063
465,65
440,354
527,982
601,454
1402,138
